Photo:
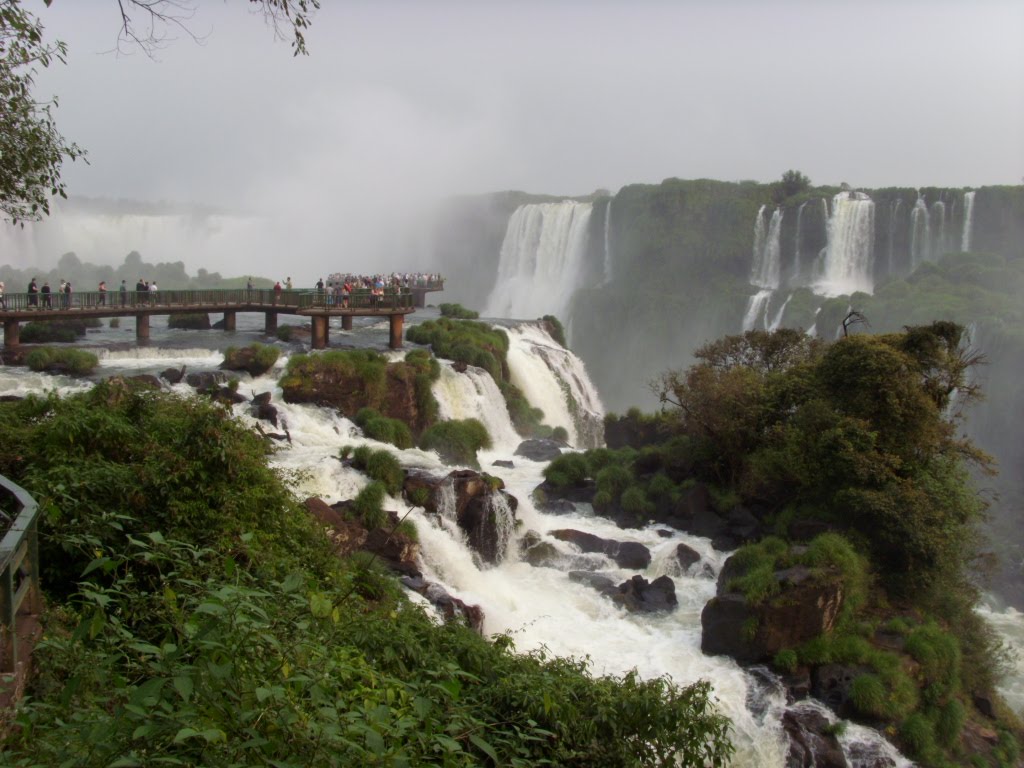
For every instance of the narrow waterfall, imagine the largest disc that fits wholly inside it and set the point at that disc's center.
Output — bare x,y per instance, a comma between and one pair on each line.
608,269
894,213
540,261
766,270
757,306
554,380
965,239
474,395
774,326
920,233
849,248
797,262
940,243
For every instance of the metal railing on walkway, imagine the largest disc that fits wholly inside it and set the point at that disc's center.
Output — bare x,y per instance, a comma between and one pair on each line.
19,571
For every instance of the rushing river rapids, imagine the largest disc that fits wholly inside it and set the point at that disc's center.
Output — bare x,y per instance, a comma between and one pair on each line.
539,607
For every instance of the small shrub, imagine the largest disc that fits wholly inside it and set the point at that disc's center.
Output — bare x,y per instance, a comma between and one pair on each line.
115,322
614,479
602,501
568,470
361,456
383,429
71,362
938,653
634,502
555,329
561,434
918,736
369,506
408,529
869,696
950,722
384,467
458,311
51,331
457,441
418,497
786,661
285,332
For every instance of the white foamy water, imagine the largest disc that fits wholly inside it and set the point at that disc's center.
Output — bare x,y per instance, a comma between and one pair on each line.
849,252
1009,624
555,380
968,231
757,306
537,606
540,261
474,395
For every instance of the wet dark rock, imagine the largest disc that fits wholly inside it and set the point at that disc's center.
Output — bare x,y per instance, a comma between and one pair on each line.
545,493
639,595
146,379
628,554
479,507
798,684
451,608
764,686
539,450
173,375
811,744
263,398
264,412
504,463
832,683
686,556
556,506
598,581
205,382
537,552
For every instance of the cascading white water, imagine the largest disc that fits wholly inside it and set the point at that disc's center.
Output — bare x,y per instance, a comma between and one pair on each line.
766,270
554,380
474,395
757,306
798,245
938,216
894,212
540,261
965,238
608,268
774,326
920,233
849,249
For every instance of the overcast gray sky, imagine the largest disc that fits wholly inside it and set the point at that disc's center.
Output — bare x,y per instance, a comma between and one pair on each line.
399,102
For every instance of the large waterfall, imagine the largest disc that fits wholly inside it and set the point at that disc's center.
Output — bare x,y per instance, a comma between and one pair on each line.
540,261
920,233
848,256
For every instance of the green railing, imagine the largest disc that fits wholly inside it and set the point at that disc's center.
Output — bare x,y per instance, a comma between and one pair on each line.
257,299
19,569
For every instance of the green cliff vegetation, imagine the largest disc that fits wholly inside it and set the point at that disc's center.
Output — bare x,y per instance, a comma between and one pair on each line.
351,380
256,359
49,331
856,438
458,311
481,345
197,616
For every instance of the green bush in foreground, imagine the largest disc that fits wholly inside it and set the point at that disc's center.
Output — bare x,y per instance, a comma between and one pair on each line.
457,441
204,621
72,362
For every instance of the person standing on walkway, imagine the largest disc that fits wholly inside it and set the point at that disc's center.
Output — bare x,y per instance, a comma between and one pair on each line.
45,290
103,293
123,290
33,294
3,301
288,283
67,295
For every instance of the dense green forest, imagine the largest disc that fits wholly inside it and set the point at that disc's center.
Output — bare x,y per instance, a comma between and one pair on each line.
843,467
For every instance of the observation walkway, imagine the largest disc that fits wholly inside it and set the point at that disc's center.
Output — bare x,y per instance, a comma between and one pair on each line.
319,306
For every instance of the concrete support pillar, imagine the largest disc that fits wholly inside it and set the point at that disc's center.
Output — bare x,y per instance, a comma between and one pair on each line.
229,321
320,331
270,326
397,323
142,327
346,322
12,333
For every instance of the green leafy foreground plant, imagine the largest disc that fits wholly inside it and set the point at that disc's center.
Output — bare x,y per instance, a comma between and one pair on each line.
198,618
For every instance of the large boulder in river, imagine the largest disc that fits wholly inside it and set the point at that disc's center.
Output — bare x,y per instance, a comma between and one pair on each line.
478,504
812,740
806,605
627,554
539,450
635,594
